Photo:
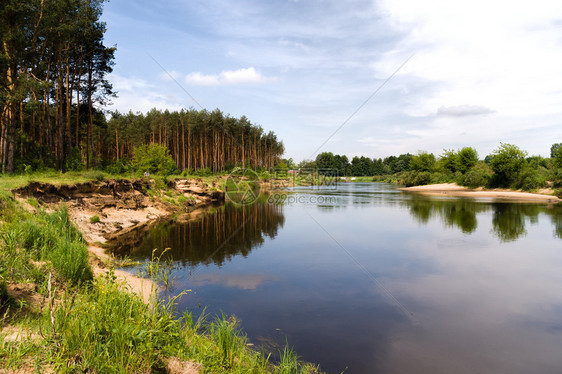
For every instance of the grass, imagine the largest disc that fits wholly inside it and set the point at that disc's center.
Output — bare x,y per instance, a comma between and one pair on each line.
88,324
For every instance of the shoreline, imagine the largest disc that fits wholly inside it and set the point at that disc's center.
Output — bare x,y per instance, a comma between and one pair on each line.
454,190
120,205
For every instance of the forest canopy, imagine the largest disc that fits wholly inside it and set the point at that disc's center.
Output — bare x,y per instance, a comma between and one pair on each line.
54,90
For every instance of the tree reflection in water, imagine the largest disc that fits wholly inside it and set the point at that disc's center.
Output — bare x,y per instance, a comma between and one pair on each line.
508,219
213,237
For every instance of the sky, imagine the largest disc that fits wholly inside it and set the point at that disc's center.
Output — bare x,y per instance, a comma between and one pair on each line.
353,77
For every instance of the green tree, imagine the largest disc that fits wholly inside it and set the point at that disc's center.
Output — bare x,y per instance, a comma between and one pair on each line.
423,161
153,158
326,160
556,154
466,158
449,160
507,161
554,149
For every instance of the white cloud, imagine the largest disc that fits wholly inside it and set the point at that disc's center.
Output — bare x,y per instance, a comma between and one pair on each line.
139,95
463,110
504,54
227,77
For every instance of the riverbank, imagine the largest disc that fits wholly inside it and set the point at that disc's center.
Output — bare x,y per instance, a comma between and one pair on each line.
93,323
454,190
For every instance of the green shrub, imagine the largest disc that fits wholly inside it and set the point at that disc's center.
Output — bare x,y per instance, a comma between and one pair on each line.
507,161
478,176
117,168
154,158
94,219
186,172
206,172
416,178
74,161
467,157
423,161
556,177
531,179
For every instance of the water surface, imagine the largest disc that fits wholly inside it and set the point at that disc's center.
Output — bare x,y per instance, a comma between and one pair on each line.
371,279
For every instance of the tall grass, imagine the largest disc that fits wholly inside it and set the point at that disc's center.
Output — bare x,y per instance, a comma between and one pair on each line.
229,339
52,237
111,331
104,328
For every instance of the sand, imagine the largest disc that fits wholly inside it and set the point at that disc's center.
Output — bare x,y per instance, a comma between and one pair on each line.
454,190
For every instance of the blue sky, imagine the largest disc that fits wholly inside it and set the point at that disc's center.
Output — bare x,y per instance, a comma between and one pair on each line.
481,72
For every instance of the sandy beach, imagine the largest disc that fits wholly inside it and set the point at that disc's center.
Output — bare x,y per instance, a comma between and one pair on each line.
454,190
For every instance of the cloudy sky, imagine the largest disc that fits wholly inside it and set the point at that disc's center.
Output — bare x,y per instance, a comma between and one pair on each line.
462,73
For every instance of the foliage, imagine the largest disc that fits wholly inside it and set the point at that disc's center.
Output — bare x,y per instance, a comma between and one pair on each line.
531,178
467,157
507,161
117,168
556,154
448,160
555,150
205,172
45,43
196,139
95,219
423,161
479,175
538,161
416,178
153,158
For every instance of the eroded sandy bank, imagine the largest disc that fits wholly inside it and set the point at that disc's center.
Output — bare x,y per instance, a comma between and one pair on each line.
119,206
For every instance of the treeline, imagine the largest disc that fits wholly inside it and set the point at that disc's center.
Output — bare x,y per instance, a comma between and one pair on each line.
53,90
506,166
359,166
195,139
53,67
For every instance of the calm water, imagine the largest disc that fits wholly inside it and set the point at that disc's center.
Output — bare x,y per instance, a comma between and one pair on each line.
374,280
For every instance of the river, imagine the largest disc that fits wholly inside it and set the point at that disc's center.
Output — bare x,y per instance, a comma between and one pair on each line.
365,278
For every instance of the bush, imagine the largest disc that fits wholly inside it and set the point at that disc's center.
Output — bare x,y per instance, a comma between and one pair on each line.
154,158
556,177
74,161
416,178
479,176
117,168
423,161
95,219
206,172
531,179
186,172
507,161
466,159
